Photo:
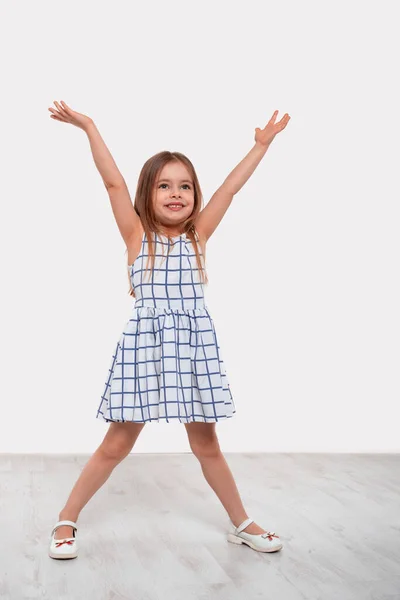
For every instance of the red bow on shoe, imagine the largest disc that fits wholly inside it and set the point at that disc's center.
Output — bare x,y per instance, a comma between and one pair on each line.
269,535
69,542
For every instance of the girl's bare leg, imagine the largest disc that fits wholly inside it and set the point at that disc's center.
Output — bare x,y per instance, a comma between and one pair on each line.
117,444
205,446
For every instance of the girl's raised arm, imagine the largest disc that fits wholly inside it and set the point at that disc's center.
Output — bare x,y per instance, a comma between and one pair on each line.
121,203
212,213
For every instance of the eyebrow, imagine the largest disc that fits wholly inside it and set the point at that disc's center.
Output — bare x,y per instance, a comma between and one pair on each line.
182,180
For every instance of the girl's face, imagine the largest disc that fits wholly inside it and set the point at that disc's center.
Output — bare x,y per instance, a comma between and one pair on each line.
173,186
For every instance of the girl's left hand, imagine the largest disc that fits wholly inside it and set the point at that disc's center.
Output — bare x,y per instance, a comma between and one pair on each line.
266,135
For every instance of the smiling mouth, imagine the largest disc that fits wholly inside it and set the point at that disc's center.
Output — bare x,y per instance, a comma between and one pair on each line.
174,205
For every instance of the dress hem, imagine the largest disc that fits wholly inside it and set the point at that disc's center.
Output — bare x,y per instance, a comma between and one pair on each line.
167,419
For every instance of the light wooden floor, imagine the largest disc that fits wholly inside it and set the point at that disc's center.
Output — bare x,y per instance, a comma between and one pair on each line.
157,531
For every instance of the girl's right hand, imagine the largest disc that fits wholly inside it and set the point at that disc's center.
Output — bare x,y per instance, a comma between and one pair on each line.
66,114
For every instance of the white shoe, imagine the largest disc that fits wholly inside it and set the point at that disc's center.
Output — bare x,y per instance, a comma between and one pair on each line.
262,542
66,547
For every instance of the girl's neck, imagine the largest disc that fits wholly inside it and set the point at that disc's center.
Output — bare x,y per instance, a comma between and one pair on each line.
171,233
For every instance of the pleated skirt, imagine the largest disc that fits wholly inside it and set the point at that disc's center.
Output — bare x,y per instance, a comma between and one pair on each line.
167,366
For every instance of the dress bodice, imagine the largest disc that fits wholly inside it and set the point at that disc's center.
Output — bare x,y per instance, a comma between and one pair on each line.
175,281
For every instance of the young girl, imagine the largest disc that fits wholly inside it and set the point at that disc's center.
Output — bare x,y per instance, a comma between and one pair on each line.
167,364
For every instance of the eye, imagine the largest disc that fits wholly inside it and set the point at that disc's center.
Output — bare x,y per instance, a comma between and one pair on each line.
185,184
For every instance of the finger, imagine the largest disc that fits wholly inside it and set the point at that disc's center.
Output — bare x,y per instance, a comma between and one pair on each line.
60,108
284,120
59,117
272,119
55,112
66,107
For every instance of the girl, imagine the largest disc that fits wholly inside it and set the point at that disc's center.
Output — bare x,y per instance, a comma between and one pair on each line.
167,363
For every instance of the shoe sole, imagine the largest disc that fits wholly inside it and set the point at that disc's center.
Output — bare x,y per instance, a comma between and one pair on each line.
65,557
234,539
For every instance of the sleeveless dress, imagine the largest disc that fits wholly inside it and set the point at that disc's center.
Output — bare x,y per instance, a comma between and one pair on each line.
167,365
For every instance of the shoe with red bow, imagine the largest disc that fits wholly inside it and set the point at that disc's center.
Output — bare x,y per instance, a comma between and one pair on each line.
262,542
65,547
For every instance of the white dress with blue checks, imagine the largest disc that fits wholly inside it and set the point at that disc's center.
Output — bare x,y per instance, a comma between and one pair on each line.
167,364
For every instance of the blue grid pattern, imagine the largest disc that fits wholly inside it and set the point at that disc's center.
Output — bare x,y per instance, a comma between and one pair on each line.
167,363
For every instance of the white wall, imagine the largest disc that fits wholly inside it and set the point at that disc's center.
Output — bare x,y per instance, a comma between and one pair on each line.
304,267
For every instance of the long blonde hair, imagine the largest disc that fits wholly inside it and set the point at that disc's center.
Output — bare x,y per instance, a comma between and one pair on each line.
143,206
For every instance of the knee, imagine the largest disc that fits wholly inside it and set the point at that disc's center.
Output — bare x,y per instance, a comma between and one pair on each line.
205,448
119,440
203,439
115,449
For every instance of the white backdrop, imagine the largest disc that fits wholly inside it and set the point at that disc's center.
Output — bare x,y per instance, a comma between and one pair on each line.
304,267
